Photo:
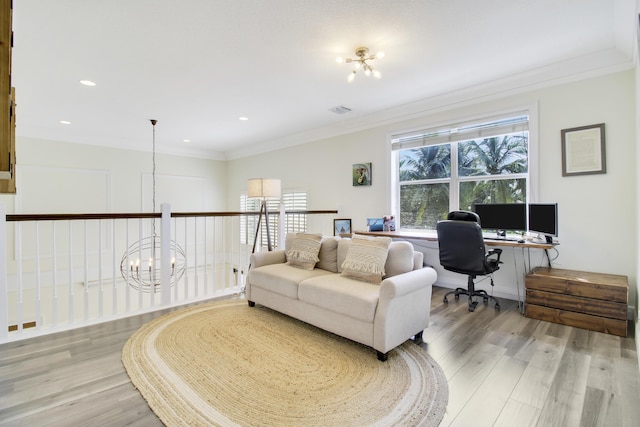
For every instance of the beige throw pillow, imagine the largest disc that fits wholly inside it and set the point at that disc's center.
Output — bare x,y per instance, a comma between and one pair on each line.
329,254
304,250
366,258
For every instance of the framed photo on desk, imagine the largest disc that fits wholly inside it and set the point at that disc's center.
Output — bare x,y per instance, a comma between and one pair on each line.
342,227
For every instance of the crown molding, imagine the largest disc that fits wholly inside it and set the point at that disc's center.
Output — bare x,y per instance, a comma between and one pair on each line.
572,70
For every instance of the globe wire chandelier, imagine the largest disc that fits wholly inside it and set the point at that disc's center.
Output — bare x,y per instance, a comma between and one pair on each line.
361,63
140,265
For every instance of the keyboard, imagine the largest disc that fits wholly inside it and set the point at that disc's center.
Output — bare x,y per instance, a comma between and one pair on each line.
501,239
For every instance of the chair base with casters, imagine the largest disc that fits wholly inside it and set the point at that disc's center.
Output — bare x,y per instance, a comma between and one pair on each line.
472,292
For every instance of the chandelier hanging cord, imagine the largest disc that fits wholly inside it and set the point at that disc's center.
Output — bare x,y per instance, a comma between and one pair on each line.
146,277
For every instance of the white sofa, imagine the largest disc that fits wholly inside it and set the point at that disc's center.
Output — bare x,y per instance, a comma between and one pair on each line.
381,316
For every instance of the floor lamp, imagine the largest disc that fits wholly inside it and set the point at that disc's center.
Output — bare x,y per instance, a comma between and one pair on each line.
263,188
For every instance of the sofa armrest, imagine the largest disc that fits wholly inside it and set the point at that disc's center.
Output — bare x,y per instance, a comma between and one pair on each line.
403,308
258,259
405,283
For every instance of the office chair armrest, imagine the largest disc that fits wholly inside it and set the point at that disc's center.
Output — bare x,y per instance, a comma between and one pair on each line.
493,253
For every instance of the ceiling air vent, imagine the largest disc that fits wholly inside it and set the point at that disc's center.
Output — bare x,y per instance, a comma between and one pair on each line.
340,109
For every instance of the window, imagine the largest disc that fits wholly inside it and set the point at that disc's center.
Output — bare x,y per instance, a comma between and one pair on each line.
453,167
293,200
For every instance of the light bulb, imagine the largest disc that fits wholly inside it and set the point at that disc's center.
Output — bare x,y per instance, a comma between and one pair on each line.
377,74
380,55
367,71
352,76
340,60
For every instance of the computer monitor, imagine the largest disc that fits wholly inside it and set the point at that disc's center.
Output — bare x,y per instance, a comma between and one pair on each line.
502,216
543,219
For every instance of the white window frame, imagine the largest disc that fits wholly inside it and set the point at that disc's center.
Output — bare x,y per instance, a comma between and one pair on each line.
532,176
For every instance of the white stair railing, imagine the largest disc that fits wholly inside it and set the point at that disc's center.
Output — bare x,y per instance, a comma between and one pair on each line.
62,271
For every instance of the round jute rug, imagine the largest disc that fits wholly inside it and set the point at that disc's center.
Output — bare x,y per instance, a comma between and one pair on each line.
225,363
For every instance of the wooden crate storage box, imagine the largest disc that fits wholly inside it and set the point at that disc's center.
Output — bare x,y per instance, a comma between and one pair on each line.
593,301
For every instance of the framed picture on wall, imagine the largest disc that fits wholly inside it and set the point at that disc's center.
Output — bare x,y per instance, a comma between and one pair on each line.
361,174
583,150
342,227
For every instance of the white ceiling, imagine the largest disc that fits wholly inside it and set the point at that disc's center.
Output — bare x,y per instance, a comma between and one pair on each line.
198,65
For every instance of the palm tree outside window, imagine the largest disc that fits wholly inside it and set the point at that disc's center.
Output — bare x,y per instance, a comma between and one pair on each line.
455,167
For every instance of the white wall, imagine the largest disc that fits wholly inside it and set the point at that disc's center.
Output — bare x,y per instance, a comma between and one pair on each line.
324,170
58,177
597,213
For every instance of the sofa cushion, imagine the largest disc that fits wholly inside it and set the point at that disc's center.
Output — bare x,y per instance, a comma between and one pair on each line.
329,254
342,295
400,259
304,249
282,278
366,258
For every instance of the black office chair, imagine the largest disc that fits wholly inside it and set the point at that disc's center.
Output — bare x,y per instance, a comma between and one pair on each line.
462,251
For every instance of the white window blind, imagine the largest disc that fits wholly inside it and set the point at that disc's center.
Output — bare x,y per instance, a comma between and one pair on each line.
293,200
479,128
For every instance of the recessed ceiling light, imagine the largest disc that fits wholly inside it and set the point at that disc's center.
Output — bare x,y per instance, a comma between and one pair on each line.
186,140
65,122
87,82
244,119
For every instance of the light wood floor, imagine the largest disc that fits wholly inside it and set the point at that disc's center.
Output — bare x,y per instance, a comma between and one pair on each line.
503,370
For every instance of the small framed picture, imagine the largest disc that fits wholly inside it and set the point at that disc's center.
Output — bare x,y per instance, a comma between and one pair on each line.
375,224
583,150
342,227
389,223
361,174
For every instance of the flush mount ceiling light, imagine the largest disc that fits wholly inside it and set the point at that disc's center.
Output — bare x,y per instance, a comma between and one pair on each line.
363,56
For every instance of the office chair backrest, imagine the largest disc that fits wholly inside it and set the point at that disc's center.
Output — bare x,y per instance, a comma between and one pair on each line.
461,246
464,216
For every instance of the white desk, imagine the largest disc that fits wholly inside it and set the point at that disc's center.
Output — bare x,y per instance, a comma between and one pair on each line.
433,237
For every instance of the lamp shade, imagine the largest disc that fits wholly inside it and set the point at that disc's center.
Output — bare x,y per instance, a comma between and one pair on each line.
264,188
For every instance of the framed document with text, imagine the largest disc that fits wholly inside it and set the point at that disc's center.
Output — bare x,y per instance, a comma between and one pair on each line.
583,150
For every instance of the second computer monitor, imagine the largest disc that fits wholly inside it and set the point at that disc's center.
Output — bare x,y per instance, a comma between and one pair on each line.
543,219
502,216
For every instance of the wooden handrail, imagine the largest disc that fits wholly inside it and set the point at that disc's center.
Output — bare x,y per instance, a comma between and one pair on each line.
93,216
